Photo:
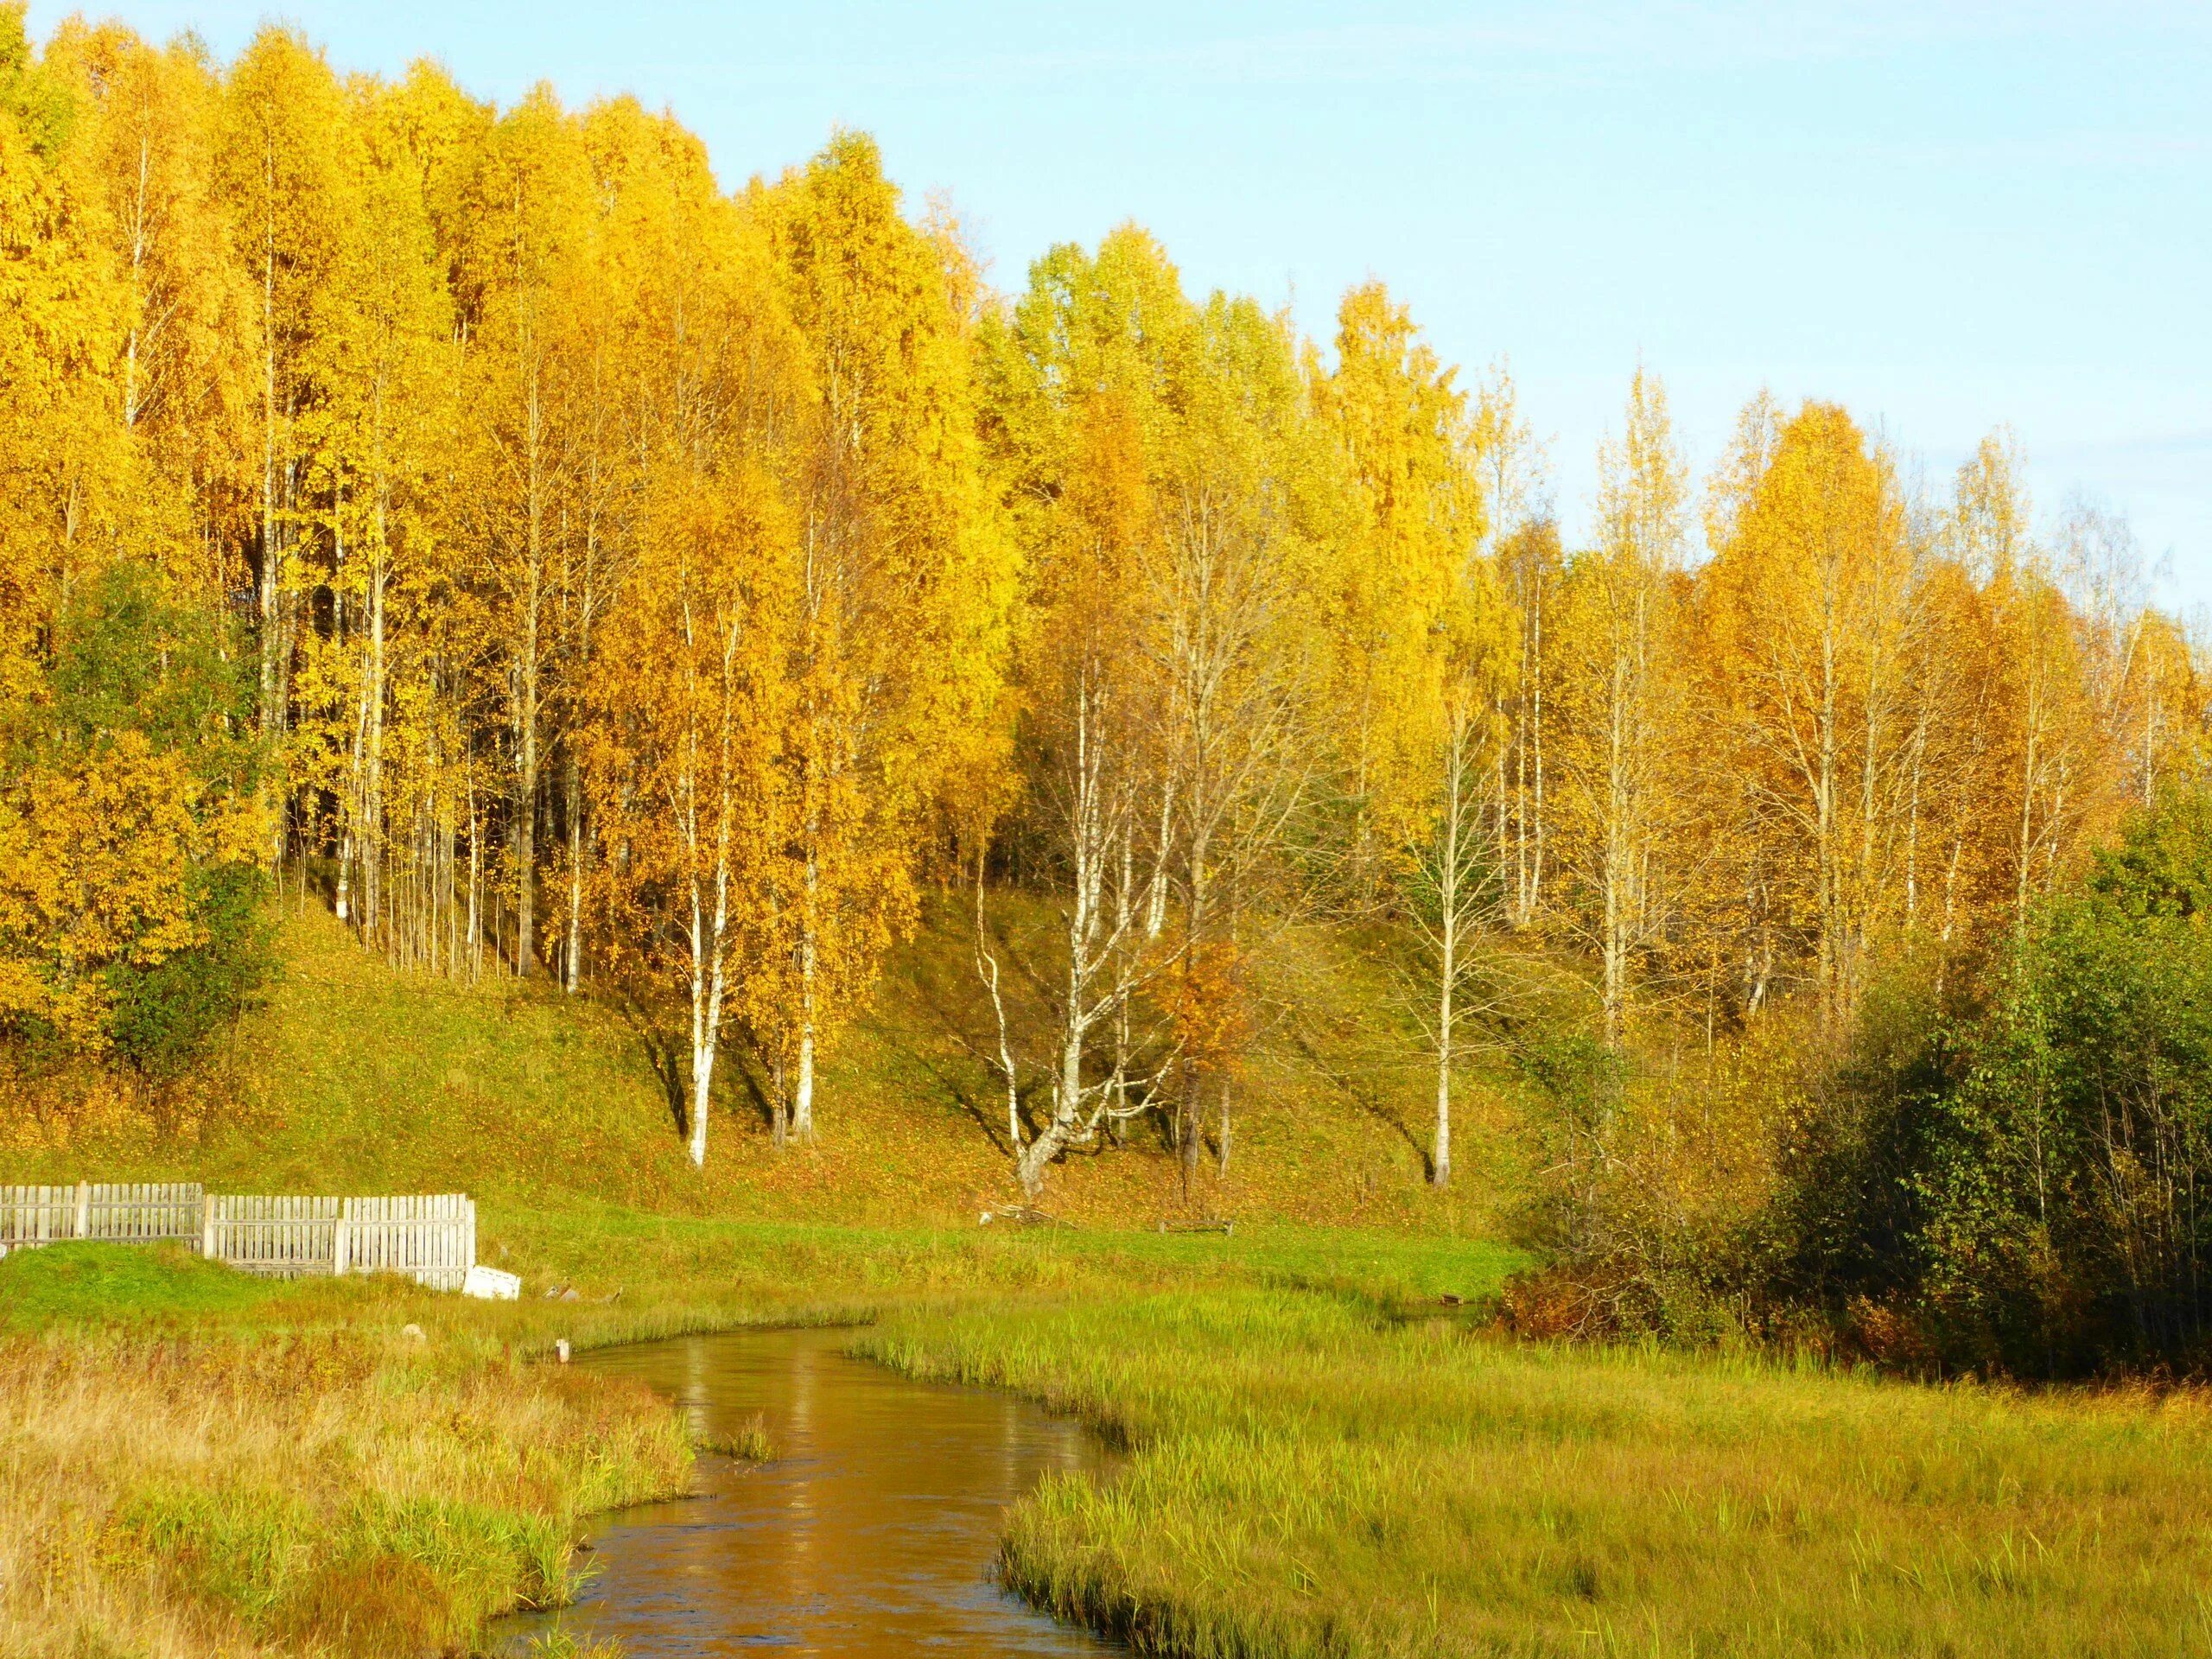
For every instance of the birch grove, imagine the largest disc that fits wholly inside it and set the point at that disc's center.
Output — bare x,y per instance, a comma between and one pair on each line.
687,589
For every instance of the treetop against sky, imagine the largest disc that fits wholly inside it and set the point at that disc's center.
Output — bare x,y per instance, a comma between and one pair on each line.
1944,215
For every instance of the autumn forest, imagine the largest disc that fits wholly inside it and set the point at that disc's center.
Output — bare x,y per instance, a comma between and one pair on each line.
558,565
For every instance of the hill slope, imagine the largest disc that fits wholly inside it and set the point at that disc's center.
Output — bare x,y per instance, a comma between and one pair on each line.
358,1078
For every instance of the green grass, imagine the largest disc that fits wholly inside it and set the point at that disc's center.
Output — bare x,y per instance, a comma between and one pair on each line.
1330,1453
356,1079
783,1265
183,1449
1312,1476
749,1444
1325,1459
100,1284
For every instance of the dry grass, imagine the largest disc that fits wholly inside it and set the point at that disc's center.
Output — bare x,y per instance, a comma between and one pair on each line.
340,1490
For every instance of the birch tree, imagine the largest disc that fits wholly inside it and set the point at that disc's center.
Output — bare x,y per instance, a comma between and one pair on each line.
1815,598
1620,702
1458,889
1079,422
531,196
1423,634
1522,543
1239,671
283,132
904,582
692,707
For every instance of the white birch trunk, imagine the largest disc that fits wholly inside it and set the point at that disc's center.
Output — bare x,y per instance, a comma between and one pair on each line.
803,1086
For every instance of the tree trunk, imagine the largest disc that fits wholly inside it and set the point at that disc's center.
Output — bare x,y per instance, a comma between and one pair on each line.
803,1094
572,952
2027,820
1032,1158
706,1007
803,1090
1451,905
1186,1127
475,941
1825,838
1221,1151
1613,942
526,804
138,287
372,880
1536,740
1439,1161
271,631
703,1074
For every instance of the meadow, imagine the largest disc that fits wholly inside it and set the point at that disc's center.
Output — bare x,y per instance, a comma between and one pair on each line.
1314,1475
1324,1458
194,1463
1332,1449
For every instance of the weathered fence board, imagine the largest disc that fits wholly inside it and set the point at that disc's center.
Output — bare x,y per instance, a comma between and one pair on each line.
257,1233
432,1237
135,1212
429,1238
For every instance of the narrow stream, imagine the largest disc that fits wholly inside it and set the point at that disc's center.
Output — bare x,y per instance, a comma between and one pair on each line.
871,1533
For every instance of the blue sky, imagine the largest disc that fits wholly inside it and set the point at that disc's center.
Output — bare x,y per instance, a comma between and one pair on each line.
1946,215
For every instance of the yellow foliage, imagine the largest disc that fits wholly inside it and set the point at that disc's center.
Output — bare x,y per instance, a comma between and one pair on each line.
93,861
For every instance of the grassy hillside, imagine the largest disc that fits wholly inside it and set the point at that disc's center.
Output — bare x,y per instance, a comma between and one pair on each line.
356,1077
1327,1456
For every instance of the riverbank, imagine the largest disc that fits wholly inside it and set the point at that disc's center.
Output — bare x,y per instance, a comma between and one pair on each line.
1325,1457
195,1464
1310,1477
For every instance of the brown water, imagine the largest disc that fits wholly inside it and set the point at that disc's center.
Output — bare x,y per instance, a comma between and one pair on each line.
871,1533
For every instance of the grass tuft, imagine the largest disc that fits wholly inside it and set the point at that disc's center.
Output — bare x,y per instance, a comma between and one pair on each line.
748,1442
329,1490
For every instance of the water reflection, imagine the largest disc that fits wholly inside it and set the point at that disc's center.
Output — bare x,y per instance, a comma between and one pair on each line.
871,1534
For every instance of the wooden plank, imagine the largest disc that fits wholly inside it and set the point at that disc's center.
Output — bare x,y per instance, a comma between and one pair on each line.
136,1212
430,1238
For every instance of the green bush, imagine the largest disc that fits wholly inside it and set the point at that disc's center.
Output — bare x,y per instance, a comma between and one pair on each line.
134,674
164,1014
2065,1227
2024,1187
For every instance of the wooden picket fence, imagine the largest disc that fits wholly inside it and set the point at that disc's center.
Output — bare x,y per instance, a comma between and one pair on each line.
136,1214
431,1238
